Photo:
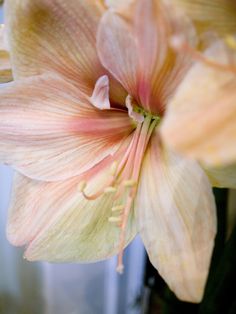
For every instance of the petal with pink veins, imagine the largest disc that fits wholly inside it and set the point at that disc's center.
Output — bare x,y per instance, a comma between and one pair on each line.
58,224
117,50
134,47
57,35
49,130
176,219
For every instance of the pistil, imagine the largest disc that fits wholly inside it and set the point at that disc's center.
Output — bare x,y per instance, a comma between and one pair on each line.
124,176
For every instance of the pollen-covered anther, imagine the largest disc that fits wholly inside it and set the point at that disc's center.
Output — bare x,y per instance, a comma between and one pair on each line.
130,183
110,190
115,219
82,185
117,208
230,40
120,269
113,168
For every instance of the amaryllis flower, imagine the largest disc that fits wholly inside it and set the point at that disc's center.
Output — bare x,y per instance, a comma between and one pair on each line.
80,125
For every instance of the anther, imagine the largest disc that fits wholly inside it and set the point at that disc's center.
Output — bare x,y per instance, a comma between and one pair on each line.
115,219
230,41
117,208
110,190
130,183
82,185
120,269
113,168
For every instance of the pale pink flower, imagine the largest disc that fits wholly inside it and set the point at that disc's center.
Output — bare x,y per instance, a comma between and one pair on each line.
81,127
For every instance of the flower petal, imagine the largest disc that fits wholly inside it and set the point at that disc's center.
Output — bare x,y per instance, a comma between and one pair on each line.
151,29
120,5
100,96
50,131
60,225
57,35
134,47
217,15
222,177
46,35
207,97
117,50
5,65
177,220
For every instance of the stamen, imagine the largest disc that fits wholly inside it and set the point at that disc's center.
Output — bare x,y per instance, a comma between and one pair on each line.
120,269
125,217
231,41
114,167
114,219
103,190
132,113
82,185
130,183
110,190
117,208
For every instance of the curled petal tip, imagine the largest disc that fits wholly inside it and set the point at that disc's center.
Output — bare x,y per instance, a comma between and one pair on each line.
100,96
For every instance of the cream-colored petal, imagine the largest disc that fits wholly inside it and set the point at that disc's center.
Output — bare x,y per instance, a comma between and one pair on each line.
57,35
50,131
59,225
118,4
177,220
200,120
5,65
217,15
46,35
222,177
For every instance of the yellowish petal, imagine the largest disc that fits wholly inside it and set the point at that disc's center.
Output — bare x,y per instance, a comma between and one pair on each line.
177,220
59,225
217,15
222,177
5,65
50,131
45,35
118,4
200,119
